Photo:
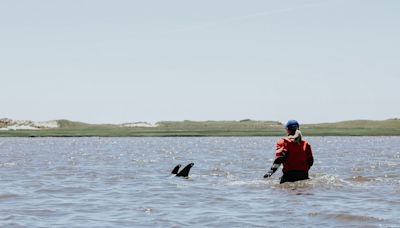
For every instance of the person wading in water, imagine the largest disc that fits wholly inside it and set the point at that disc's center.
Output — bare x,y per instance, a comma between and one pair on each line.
294,153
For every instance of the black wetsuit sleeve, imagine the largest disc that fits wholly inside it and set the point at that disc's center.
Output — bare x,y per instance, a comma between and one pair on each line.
310,158
310,162
277,162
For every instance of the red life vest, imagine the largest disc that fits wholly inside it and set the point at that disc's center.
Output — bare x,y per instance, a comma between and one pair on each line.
298,156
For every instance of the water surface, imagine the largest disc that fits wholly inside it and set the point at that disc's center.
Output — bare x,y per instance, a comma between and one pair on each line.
125,182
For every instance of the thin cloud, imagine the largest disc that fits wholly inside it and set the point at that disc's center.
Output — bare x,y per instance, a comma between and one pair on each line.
232,20
241,18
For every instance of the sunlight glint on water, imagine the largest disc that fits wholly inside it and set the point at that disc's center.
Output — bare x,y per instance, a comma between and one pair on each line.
125,182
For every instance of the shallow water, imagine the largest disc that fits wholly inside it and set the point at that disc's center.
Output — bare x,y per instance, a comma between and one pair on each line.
125,182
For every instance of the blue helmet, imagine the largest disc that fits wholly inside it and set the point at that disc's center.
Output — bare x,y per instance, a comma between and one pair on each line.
292,124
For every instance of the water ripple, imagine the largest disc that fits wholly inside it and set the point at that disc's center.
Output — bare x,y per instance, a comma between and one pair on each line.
126,182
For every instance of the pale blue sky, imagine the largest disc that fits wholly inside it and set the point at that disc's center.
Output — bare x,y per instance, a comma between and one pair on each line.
123,61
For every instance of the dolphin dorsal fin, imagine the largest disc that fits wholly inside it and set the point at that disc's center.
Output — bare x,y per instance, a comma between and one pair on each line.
176,169
185,171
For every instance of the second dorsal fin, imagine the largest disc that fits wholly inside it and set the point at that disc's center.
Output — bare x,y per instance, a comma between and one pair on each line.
185,171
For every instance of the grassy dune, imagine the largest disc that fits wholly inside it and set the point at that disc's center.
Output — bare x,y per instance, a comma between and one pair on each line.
355,127
67,128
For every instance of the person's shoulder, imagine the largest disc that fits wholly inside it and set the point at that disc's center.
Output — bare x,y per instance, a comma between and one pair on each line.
305,142
283,141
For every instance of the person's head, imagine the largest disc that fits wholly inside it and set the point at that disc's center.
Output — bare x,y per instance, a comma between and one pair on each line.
291,127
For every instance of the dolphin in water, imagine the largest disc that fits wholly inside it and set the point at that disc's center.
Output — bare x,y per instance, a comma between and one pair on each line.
184,172
176,169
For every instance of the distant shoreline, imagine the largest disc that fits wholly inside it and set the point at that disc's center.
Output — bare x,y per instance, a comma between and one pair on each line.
242,128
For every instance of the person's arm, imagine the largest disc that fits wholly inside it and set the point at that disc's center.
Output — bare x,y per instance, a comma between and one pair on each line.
279,158
310,158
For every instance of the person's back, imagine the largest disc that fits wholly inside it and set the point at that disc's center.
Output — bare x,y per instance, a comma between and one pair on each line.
294,153
297,159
